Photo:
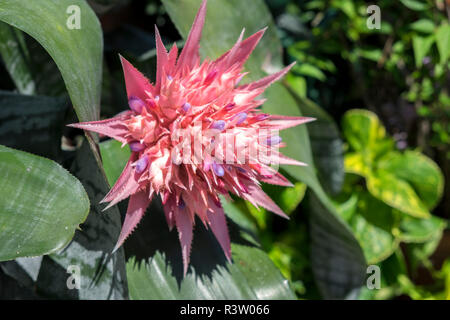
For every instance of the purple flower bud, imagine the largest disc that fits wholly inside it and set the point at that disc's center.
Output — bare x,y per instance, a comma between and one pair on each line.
186,106
241,117
181,203
218,169
136,104
219,125
142,164
136,146
169,78
272,141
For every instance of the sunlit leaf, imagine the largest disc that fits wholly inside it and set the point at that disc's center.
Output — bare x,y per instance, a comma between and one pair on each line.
40,207
421,172
397,193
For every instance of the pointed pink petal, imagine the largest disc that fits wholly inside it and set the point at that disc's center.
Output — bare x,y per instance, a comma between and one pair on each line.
223,61
172,59
126,185
267,81
244,49
257,196
284,122
114,128
184,225
282,159
136,209
190,55
161,59
278,179
169,211
218,224
135,81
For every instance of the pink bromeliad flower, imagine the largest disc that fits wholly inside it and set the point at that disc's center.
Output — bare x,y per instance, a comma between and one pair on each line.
190,99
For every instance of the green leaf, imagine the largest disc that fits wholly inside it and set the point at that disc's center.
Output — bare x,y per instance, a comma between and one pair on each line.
415,5
32,123
355,163
332,240
397,193
372,225
77,52
114,158
326,144
423,25
372,222
331,245
102,274
370,54
419,253
348,7
297,84
16,57
420,230
443,41
365,134
421,46
154,267
41,205
232,16
309,70
421,172
286,198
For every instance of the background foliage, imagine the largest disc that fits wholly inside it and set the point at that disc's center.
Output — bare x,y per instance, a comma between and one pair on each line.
374,191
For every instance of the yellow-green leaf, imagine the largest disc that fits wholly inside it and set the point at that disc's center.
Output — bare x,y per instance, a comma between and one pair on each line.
397,193
422,173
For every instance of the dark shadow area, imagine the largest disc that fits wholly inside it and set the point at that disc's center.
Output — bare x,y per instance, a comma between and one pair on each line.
206,253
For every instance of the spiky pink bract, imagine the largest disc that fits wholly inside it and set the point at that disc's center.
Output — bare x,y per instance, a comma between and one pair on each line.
189,99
